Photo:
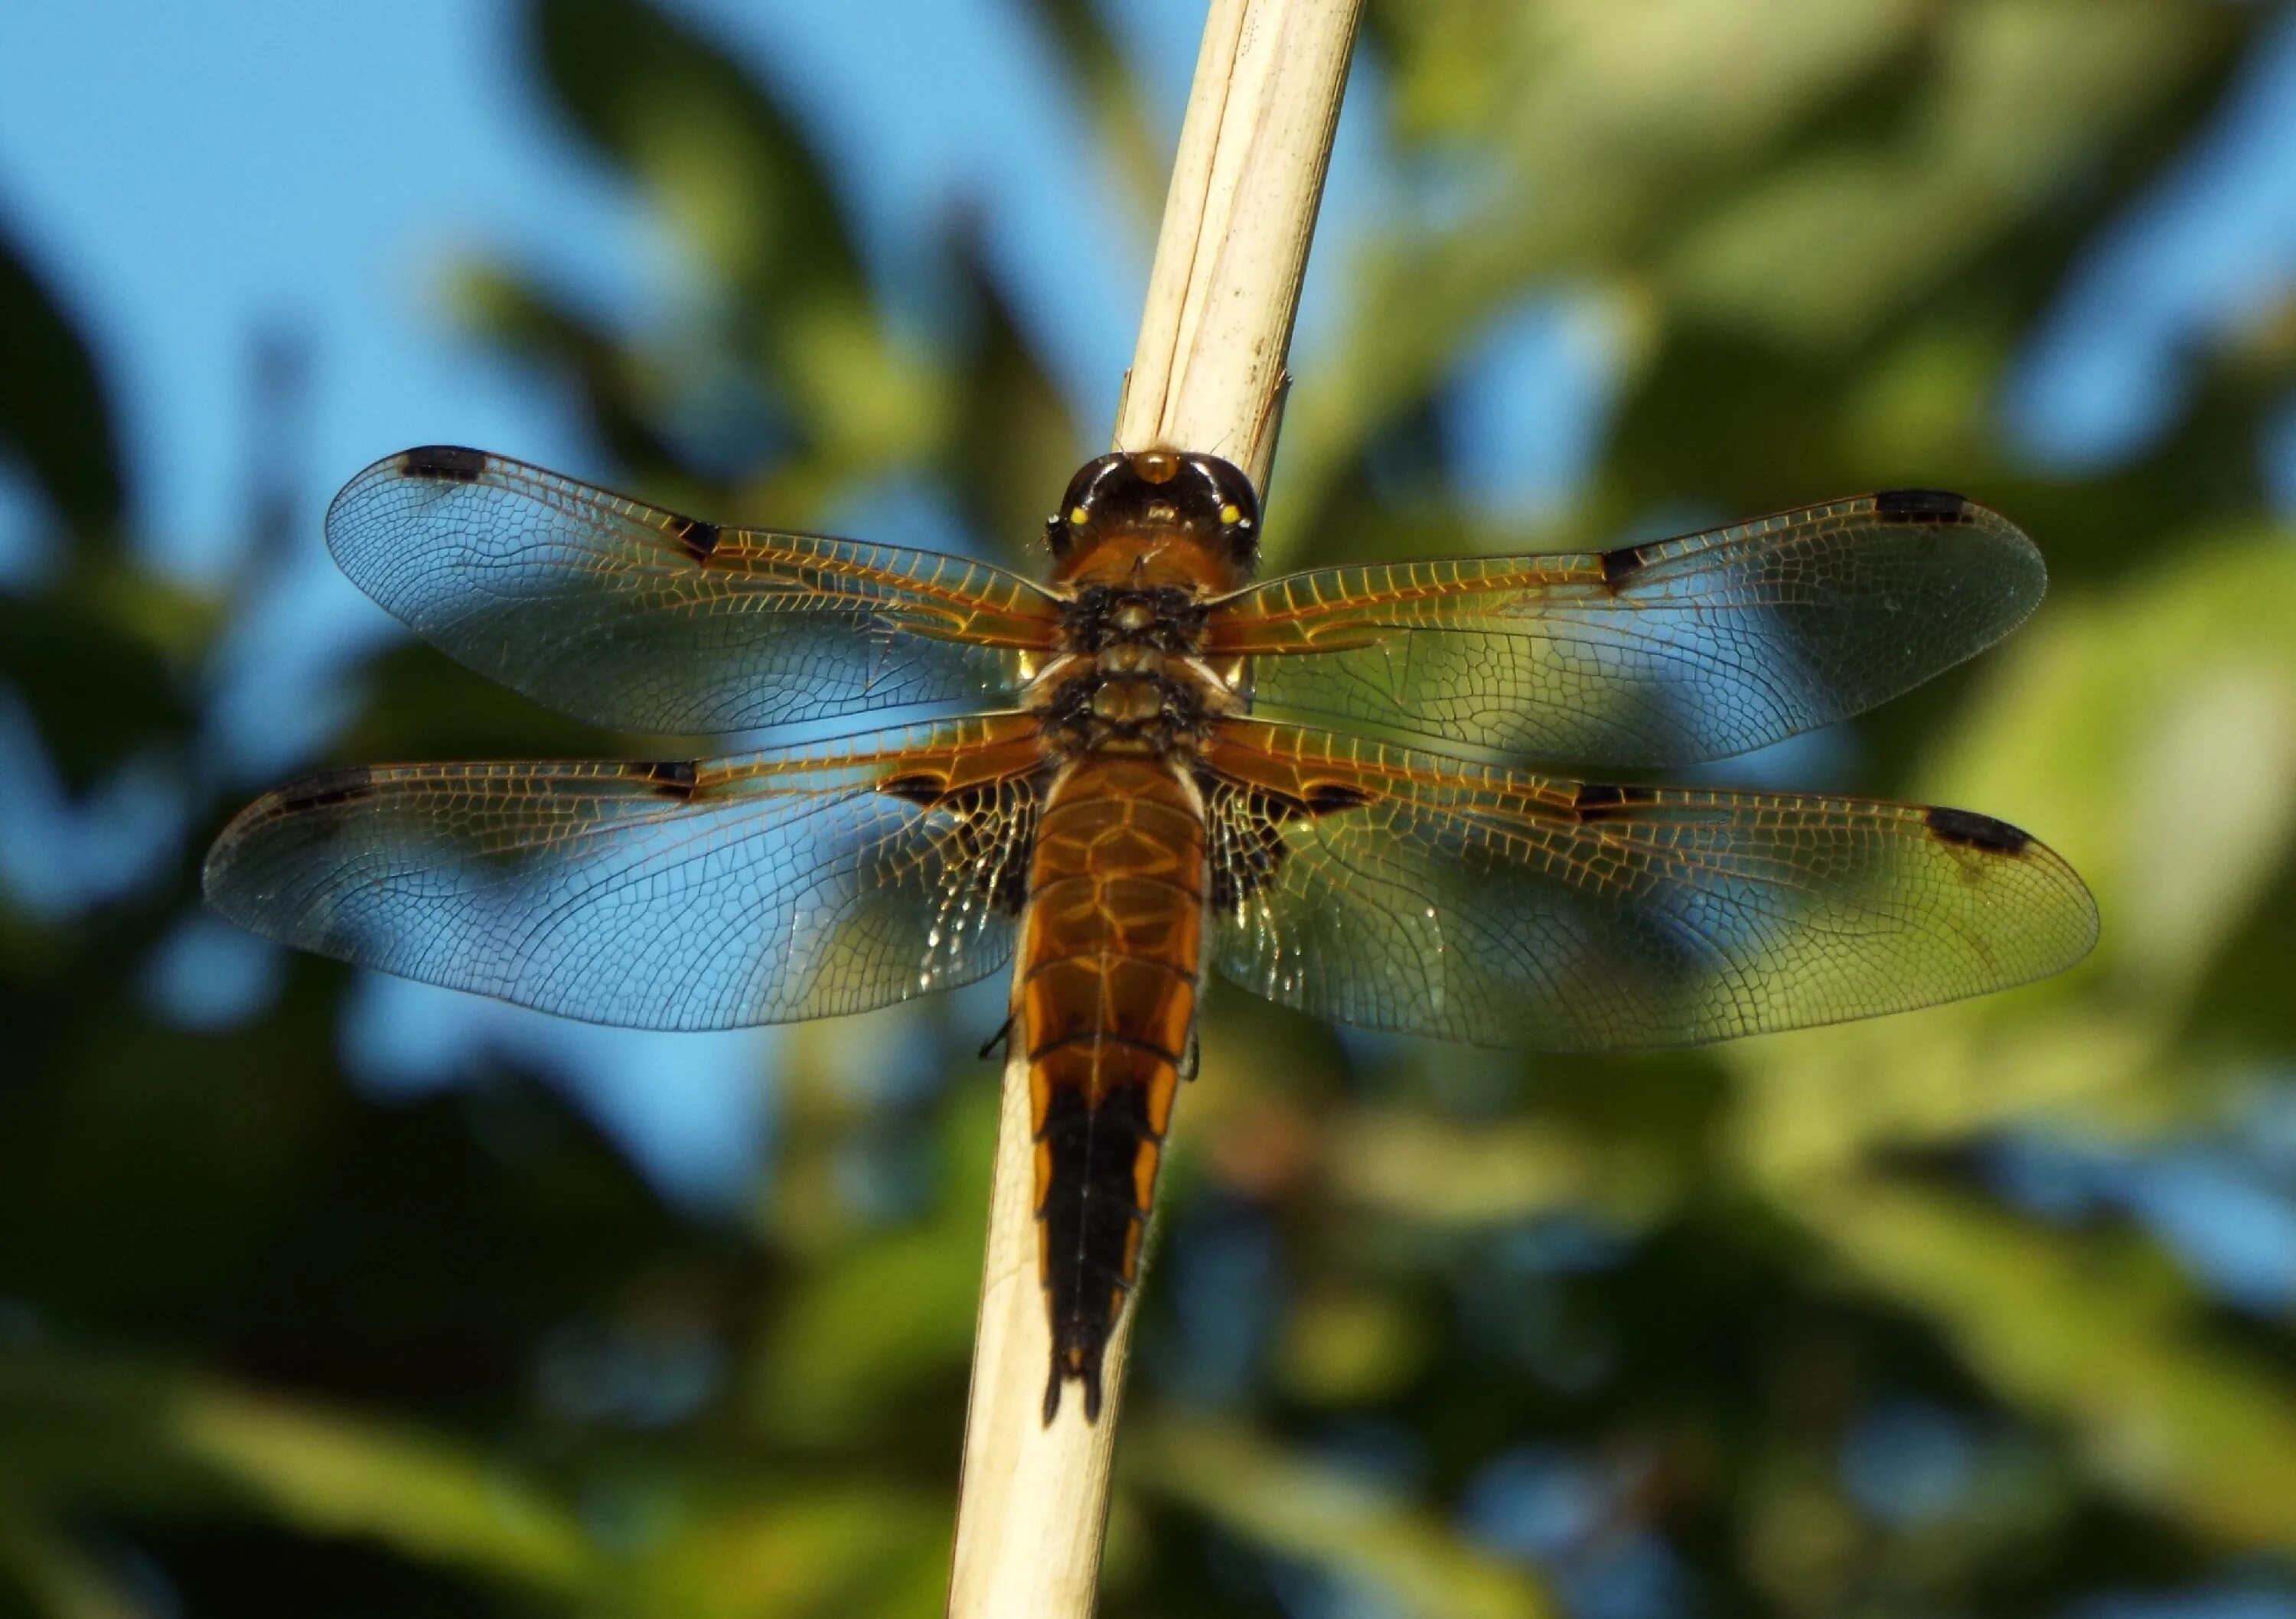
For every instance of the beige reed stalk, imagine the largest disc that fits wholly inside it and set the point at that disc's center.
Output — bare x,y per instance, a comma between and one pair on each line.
1207,374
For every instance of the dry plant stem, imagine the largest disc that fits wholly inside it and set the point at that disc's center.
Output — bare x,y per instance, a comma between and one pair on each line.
1207,374
1207,371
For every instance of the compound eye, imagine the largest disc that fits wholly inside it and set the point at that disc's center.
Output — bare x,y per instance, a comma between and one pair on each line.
1238,502
1238,509
1085,490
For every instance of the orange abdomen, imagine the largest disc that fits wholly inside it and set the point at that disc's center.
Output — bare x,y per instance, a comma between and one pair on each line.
1104,998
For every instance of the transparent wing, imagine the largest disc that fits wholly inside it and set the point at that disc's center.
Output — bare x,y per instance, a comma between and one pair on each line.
758,890
1397,890
1663,653
628,616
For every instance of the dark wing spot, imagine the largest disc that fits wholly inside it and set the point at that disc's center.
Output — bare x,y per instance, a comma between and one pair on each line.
1247,837
1920,506
1329,798
699,538
448,462
1622,564
328,787
987,830
1977,831
671,778
922,790
1597,800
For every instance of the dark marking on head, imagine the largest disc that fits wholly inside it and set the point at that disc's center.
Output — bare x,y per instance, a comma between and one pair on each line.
699,538
1621,563
1921,505
1976,832
1330,797
924,791
326,789
671,778
447,462
1207,499
1599,800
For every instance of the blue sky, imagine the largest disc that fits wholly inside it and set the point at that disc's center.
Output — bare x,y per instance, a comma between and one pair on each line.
187,177
324,165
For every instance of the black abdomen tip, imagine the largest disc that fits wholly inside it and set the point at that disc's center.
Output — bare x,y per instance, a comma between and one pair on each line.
1921,505
447,462
1976,832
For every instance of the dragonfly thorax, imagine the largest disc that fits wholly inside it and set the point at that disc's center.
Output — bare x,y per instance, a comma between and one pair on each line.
1128,701
1129,679
1163,619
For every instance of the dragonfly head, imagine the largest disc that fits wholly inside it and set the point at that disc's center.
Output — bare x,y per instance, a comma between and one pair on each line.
1180,516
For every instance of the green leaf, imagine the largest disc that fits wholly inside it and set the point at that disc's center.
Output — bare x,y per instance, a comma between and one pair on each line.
2092,1333
53,409
1319,1515
145,1436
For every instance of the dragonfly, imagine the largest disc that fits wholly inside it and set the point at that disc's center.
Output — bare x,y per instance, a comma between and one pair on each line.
1327,787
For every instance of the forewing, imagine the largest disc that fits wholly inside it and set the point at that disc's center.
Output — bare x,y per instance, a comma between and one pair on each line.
625,615
1663,653
1397,890
758,890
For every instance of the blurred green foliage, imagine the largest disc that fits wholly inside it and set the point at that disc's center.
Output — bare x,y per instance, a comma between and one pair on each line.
1430,1333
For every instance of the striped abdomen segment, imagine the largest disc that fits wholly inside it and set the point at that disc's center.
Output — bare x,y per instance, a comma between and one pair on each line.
1103,1001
